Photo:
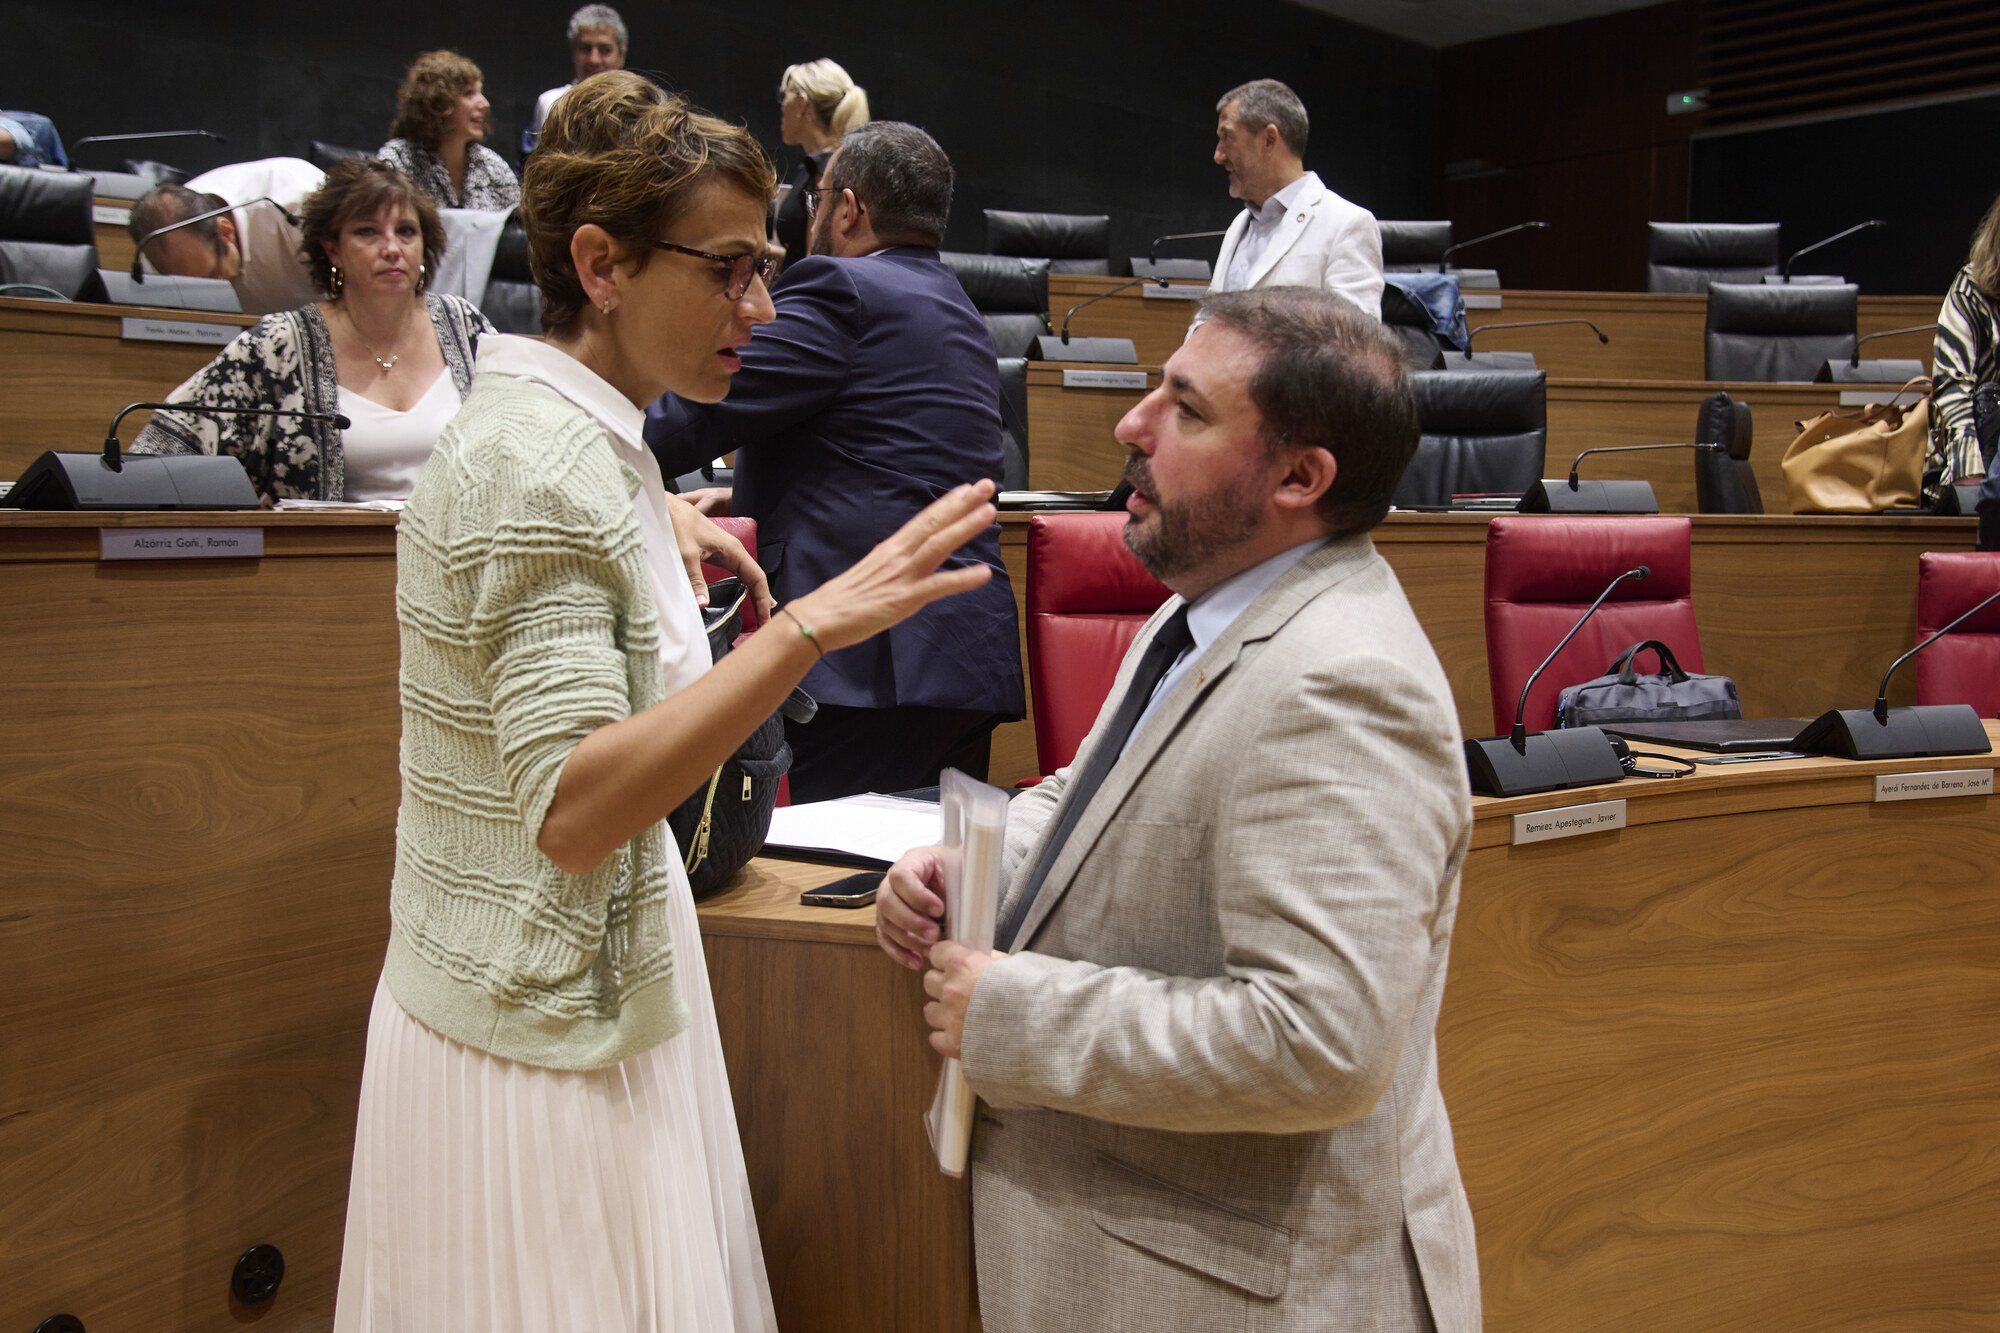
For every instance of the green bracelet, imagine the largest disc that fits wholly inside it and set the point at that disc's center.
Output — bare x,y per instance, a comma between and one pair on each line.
804,629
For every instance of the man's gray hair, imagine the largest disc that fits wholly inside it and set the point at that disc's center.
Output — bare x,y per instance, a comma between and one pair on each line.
599,16
900,175
1262,102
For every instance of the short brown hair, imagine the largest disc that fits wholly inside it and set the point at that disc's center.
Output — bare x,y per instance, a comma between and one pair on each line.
619,152
1262,102
1984,261
429,96
168,203
1329,377
360,187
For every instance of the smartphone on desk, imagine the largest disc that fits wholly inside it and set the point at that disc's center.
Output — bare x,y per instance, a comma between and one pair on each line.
852,891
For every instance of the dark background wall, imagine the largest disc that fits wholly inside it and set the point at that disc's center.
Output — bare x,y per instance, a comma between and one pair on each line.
1103,106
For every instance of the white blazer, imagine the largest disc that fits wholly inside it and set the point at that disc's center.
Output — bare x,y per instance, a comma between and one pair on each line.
1324,241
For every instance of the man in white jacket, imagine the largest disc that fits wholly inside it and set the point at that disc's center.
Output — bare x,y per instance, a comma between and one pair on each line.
1293,232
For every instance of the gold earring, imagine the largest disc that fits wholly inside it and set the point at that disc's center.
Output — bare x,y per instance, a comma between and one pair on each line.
336,281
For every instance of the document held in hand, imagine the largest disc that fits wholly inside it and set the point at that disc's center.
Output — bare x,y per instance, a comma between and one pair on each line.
975,827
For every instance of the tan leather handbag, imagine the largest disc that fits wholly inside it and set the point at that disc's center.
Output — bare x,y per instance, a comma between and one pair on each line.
1864,460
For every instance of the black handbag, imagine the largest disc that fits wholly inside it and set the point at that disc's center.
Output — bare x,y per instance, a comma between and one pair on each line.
1622,694
723,825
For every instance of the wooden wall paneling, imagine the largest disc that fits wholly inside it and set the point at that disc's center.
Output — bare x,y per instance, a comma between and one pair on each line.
1157,325
1071,446
114,241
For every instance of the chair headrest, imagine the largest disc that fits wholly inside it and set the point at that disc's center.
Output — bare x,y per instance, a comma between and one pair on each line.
1000,283
1571,559
1049,235
52,206
1770,310
1409,243
1481,402
1726,421
1713,244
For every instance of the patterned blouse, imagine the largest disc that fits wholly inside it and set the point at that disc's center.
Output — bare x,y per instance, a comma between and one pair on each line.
1967,354
286,360
489,182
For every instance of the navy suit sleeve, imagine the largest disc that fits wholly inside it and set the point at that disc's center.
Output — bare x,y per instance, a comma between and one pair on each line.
793,367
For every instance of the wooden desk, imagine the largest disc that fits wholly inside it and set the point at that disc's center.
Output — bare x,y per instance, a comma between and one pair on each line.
1654,335
1731,1068
1071,446
84,369
114,239
1799,610
1660,335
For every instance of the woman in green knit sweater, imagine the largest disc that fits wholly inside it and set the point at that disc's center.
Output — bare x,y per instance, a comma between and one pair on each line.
546,1139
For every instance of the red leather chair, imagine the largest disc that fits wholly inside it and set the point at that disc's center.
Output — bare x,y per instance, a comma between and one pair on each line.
1541,574
743,530
1088,597
1964,666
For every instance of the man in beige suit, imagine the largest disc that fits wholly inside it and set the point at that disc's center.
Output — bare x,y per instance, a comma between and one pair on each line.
1208,1066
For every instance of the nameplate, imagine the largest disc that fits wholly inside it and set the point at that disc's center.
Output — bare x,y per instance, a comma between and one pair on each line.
180,543
141,328
1153,293
1104,379
110,214
1569,821
1930,786
1863,397
1481,300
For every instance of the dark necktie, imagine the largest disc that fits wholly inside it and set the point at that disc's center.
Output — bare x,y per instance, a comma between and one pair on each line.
1166,648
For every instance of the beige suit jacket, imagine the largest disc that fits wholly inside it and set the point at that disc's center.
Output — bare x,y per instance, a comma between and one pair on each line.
1209,1073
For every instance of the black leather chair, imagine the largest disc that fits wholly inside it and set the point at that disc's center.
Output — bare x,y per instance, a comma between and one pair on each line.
1769,333
1484,431
1071,242
1688,256
1414,247
1013,295
1405,319
323,155
1013,423
1723,481
48,242
512,301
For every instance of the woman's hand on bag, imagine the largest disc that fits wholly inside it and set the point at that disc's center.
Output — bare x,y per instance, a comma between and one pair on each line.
901,576
700,539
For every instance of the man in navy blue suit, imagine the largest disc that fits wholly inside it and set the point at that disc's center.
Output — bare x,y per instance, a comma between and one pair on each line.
872,393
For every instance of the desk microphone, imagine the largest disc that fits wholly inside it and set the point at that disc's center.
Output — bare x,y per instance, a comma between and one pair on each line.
1837,236
140,249
109,480
1883,732
1602,336
1116,351
210,135
1855,359
1575,496
1522,762
1153,250
1444,260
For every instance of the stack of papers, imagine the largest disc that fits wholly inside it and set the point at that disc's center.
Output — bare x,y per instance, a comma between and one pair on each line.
868,831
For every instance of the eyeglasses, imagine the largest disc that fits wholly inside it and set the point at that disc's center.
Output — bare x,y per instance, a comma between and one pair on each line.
812,197
741,267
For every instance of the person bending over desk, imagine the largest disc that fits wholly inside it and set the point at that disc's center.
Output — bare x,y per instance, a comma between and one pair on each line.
254,249
395,361
441,115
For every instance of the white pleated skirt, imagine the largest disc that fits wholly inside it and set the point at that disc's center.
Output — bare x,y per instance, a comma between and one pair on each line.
496,1197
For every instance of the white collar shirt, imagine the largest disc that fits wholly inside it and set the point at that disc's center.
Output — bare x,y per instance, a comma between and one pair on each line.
1263,229
683,645
1217,609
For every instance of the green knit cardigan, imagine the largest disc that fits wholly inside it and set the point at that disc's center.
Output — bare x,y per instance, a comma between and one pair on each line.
527,621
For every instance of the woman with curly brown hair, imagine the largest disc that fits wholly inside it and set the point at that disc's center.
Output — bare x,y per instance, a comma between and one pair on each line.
391,358
441,118
546,1138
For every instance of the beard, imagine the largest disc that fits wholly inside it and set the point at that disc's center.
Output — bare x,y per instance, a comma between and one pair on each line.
819,237
1186,535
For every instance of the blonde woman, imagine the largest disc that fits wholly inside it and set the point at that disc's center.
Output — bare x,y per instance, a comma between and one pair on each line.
1965,356
546,1139
817,103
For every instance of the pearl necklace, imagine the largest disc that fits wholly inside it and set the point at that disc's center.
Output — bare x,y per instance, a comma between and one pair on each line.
387,363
